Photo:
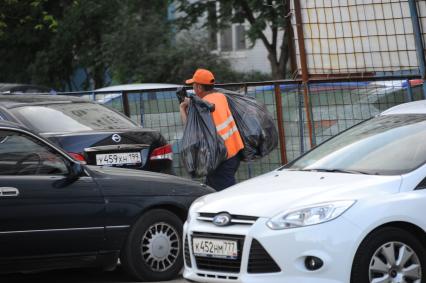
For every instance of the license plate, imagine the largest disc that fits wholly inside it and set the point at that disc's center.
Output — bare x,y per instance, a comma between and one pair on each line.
118,158
215,248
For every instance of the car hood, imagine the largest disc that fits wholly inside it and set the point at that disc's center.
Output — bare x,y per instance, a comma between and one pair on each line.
129,182
277,191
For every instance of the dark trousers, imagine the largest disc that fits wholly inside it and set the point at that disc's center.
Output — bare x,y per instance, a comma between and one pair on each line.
224,175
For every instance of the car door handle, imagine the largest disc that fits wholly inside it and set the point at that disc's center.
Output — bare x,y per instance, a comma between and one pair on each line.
9,192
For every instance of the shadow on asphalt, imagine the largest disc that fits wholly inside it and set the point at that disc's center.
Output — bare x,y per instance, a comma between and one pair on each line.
68,276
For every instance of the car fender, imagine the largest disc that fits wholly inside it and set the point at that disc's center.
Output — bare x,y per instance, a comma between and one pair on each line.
373,213
132,209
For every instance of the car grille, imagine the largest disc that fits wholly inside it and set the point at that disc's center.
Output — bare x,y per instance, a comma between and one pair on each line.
187,255
260,261
236,219
216,276
220,264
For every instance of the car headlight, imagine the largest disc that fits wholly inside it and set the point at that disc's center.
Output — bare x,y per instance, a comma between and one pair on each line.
310,215
194,206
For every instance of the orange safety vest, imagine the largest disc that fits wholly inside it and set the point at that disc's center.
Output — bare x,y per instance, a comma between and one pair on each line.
225,124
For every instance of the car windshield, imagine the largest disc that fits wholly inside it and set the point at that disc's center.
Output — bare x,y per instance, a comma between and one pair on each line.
71,117
385,145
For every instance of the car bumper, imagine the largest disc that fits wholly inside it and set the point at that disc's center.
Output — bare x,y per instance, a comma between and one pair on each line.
334,242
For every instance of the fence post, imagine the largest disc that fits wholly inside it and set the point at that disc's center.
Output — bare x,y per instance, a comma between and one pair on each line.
281,131
409,94
420,48
125,100
310,117
304,66
301,124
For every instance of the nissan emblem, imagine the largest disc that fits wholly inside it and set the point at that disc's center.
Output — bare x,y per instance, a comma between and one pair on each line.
116,138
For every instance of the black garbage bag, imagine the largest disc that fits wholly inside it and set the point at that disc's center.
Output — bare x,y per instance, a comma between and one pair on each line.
255,124
202,147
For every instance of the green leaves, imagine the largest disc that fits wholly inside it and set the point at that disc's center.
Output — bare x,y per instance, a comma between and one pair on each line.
50,21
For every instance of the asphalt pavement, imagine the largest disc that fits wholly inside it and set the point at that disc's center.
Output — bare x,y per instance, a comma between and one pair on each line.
74,276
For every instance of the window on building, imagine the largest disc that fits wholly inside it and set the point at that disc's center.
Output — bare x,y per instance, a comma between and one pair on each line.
240,37
226,39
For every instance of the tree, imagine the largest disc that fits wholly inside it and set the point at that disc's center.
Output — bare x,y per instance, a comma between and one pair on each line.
77,44
261,15
45,41
25,28
137,48
143,48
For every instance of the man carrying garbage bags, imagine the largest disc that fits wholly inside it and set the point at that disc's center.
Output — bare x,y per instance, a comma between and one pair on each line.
221,128
223,175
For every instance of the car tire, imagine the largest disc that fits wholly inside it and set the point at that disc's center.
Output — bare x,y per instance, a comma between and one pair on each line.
391,253
153,250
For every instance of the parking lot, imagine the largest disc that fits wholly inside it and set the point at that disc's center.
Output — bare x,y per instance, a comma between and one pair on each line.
213,141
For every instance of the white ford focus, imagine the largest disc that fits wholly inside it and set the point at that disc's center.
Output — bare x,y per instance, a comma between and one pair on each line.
351,210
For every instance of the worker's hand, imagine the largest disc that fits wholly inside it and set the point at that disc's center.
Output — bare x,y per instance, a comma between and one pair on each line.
184,105
184,109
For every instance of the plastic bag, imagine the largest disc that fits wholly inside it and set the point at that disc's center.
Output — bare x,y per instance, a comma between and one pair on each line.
255,124
202,148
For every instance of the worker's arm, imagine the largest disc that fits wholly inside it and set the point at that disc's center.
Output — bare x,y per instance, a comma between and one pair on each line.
183,107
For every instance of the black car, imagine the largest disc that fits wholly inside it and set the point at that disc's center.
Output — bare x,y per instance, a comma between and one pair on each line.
90,132
58,213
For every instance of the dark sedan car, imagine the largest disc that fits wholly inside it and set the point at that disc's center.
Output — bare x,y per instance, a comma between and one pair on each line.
89,132
57,213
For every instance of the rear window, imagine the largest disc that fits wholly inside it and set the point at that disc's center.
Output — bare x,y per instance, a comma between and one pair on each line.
71,117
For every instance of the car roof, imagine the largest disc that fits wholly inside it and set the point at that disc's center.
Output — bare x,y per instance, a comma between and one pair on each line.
146,86
416,107
10,101
8,124
22,88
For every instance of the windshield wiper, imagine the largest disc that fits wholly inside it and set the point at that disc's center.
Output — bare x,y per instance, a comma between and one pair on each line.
337,171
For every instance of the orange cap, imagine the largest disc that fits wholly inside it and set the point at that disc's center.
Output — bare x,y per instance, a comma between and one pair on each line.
202,76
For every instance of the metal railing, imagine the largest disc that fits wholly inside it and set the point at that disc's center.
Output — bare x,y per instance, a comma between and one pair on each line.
334,105
354,60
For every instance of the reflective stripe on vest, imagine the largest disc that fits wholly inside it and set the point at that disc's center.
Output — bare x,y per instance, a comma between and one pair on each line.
229,133
224,124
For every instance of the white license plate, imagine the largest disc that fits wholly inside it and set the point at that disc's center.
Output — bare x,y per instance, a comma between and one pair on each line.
118,158
215,248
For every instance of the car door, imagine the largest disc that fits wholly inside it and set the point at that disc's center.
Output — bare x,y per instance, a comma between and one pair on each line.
42,211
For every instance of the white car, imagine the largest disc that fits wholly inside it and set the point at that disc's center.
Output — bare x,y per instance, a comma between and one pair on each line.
352,209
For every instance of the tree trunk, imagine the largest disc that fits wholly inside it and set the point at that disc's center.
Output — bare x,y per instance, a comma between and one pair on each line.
98,76
277,73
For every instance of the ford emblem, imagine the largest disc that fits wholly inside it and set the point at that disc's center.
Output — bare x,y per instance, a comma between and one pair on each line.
222,219
116,138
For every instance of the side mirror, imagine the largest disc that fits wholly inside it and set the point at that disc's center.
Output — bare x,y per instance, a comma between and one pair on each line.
76,171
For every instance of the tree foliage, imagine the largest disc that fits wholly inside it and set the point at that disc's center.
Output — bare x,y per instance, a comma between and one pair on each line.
272,15
46,41
25,28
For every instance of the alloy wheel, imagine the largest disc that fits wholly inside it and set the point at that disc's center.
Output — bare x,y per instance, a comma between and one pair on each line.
160,246
395,262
